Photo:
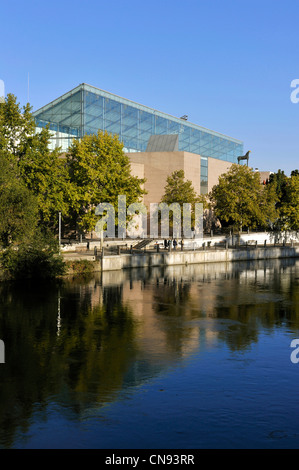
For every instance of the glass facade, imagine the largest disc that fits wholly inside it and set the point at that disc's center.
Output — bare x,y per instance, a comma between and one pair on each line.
86,109
203,175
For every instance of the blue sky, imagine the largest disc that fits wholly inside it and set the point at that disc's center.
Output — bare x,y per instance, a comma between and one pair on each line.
227,64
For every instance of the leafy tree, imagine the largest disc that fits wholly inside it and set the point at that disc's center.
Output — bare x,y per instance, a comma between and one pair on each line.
286,190
43,172
27,251
279,182
16,125
37,257
268,205
289,211
180,191
240,199
46,174
100,172
18,206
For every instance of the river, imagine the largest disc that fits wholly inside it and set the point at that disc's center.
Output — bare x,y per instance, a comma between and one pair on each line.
182,357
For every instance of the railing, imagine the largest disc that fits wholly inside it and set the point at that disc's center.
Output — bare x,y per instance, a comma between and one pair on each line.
205,246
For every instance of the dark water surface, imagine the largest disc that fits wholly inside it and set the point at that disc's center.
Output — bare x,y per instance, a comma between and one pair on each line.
187,357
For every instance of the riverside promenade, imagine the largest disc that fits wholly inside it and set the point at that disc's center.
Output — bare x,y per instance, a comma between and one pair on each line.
186,257
116,257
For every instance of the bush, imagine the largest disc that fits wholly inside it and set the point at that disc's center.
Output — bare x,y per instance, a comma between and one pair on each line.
35,259
80,267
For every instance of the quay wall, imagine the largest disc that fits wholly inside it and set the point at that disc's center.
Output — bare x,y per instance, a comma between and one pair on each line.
146,260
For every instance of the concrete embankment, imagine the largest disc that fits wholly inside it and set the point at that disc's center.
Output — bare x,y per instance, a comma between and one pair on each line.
145,260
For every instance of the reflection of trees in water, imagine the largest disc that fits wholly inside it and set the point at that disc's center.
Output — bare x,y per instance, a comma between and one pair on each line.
253,295
86,360
27,320
172,300
98,347
259,302
82,365
171,295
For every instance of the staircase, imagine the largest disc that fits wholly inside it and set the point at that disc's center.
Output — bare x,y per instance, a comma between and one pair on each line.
142,244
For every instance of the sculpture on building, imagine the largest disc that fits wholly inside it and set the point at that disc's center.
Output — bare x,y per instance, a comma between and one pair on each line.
244,157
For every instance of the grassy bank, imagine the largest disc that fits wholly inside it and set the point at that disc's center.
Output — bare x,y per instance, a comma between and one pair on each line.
83,266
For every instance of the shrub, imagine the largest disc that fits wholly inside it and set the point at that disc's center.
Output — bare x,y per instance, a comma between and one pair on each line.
80,266
38,258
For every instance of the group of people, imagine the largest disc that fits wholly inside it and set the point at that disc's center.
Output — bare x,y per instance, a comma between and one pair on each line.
171,244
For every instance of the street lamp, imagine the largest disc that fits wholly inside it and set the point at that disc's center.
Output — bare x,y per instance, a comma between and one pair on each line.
59,228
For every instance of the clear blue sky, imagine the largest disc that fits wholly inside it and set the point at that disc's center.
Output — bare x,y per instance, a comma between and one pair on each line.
227,64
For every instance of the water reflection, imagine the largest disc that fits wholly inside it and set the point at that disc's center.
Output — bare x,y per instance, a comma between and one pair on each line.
82,342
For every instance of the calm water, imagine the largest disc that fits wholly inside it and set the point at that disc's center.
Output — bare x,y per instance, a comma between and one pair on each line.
188,357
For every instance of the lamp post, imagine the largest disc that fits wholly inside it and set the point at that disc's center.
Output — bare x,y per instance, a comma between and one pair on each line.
59,228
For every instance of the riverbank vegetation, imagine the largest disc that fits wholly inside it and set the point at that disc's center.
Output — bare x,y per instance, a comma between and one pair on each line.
241,201
37,184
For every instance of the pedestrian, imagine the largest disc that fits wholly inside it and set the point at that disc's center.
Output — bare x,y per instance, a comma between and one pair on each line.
165,244
174,244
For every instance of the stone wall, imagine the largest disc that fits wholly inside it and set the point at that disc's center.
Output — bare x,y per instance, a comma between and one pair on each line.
146,260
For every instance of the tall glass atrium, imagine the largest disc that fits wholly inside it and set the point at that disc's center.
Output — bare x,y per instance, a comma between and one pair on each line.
86,109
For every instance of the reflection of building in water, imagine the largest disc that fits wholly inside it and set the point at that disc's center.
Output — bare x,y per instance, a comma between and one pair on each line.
168,306
124,328
181,310
265,274
159,338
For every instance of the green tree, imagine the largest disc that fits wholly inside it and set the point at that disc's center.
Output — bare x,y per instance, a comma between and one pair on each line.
27,249
180,191
16,125
286,191
289,211
37,257
278,182
268,205
46,174
18,206
101,172
240,199
42,170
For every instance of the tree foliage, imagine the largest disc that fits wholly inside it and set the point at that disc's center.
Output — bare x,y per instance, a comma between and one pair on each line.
279,181
42,170
18,206
289,211
178,189
37,257
95,170
16,125
100,172
47,176
240,199
287,204
26,249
